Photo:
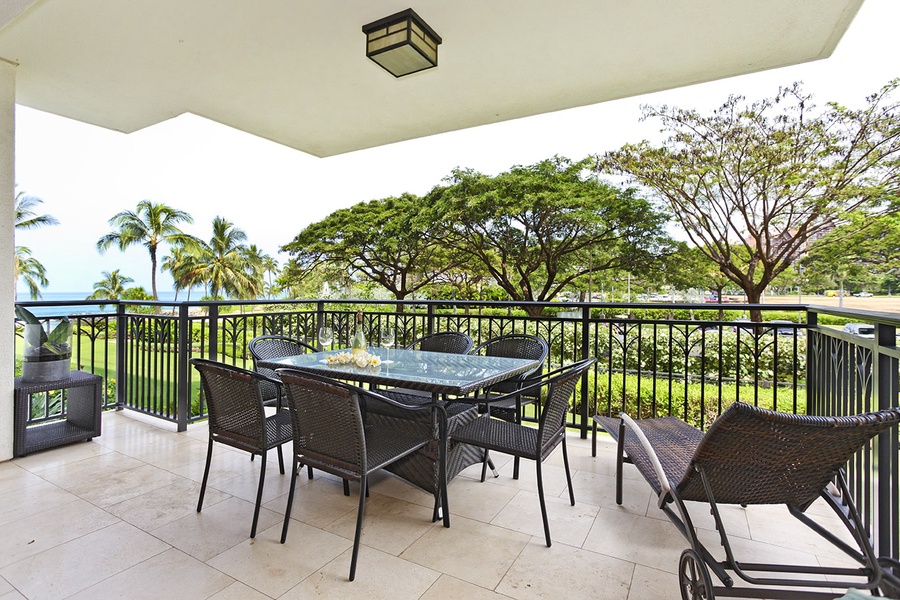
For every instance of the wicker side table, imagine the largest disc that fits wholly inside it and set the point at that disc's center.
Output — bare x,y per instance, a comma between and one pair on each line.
79,422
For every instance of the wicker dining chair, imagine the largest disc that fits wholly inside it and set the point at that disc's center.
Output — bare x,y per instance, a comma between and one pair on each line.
521,441
750,456
265,347
237,418
450,342
332,433
514,345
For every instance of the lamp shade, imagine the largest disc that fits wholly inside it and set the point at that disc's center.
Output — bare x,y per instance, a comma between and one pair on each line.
402,43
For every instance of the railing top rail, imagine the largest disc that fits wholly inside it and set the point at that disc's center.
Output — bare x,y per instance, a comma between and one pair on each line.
869,316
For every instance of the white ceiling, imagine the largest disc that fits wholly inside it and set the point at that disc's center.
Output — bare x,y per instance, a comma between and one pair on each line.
295,71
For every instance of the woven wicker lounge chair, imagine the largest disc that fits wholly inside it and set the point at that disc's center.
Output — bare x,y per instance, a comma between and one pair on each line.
753,456
522,441
332,433
237,418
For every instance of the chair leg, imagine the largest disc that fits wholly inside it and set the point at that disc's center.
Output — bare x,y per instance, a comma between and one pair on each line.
280,460
205,475
363,484
568,474
259,492
309,472
484,464
346,487
540,483
620,458
516,467
290,501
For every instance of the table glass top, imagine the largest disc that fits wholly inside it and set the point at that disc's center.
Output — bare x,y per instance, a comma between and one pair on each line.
429,371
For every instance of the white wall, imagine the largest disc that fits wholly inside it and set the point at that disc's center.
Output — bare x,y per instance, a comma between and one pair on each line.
7,243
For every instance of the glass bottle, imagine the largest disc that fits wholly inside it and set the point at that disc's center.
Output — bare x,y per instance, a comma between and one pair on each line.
358,345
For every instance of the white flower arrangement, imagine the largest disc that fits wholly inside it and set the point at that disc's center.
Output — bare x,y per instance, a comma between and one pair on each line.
361,360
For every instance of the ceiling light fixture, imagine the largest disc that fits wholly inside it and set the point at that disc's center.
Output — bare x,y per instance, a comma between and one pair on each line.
402,43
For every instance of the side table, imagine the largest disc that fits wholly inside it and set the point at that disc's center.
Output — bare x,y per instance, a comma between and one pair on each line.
80,421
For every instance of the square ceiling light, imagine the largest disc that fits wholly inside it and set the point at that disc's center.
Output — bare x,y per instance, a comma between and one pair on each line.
402,43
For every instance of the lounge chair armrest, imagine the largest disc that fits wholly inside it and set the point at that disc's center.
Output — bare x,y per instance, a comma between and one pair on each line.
651,453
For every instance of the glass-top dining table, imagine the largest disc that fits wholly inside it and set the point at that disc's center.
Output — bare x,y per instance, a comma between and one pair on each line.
435,372
441,375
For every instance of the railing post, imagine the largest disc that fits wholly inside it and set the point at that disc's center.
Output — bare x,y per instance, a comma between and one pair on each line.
813,389
886,386
213,350
319,322
585,353
184,353
121,344
430,320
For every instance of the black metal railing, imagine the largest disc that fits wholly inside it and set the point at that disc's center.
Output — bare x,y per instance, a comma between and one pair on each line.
850,374
688,361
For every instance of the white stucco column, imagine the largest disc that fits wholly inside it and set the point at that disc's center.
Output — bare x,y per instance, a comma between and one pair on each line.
7,245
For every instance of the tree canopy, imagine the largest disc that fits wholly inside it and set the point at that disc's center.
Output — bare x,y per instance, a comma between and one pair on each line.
754,184
385,241
537,229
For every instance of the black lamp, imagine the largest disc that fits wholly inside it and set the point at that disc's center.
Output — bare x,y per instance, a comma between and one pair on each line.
402,43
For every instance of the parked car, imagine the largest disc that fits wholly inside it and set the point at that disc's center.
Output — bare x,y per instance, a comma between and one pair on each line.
777,323
741,320
861,329
863,294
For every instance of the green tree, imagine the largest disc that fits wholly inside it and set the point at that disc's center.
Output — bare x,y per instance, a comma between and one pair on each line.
26,266
181,265
224,264
150,225
385,241
754,184
111,287
538,229
31,271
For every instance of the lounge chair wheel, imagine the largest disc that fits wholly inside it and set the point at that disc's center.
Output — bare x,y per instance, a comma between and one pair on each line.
693,577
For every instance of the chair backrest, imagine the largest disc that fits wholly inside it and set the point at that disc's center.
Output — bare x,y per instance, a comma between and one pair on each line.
265,347
234,400
756,456
449,342
327,424
560,387
515,345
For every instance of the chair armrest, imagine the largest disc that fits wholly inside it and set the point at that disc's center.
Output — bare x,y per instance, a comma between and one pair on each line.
432,406
651,454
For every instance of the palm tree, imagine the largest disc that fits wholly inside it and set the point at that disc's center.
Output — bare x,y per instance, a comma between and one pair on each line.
150,225
25,265
31,271
111,287
225,265
181,263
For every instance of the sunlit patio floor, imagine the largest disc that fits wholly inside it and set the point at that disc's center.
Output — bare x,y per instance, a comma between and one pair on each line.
116,518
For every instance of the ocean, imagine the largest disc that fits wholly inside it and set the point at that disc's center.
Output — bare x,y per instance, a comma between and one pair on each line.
46,311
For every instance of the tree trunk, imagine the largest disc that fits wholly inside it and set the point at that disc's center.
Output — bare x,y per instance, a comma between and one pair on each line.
754,296
534,311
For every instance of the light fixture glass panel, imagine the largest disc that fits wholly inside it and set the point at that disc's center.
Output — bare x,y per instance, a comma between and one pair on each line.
402,61
388,40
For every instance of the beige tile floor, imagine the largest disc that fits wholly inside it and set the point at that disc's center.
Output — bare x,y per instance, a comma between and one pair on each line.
116,518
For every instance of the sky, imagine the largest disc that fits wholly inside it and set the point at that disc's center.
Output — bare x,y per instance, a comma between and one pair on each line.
86,174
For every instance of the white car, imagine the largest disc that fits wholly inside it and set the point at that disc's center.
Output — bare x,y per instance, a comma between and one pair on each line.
861,329
863,294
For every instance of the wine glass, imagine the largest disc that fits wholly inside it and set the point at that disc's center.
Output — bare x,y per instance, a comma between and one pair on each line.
387,337
326,336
